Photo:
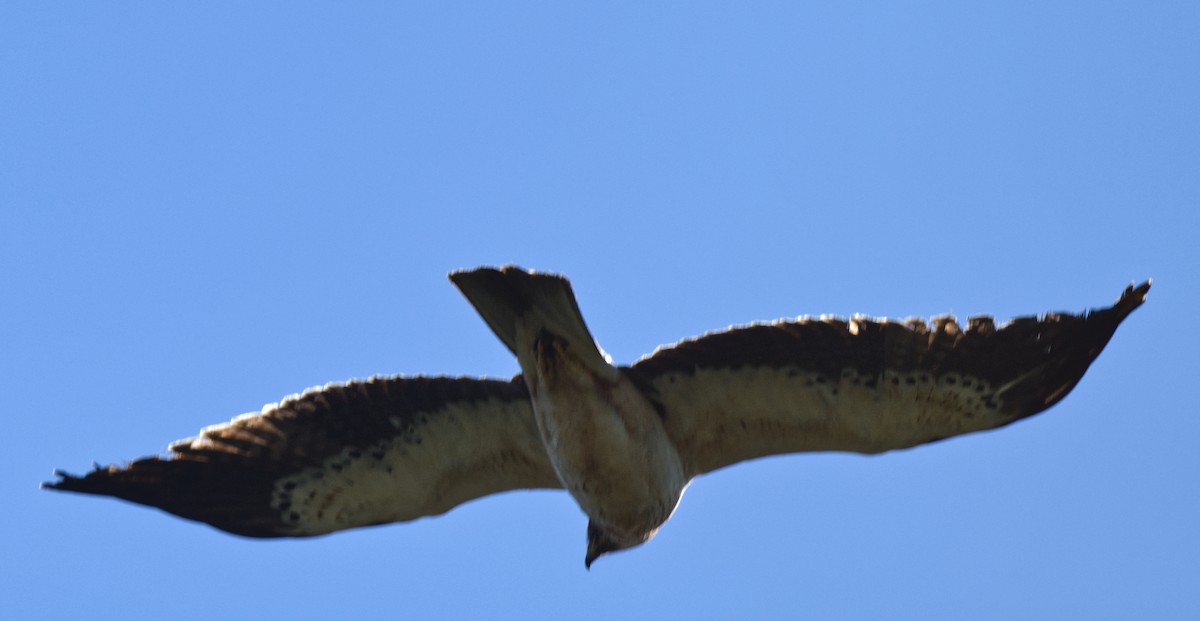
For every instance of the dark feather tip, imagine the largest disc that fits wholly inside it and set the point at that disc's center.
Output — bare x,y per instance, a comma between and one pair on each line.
1132,298
63,478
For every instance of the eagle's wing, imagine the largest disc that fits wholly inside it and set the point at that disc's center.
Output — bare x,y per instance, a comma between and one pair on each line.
863,385
347,455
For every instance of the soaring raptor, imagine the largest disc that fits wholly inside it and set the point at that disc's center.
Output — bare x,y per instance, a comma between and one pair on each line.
623,440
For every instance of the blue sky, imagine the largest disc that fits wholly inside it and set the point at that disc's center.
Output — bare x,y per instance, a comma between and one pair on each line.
206,208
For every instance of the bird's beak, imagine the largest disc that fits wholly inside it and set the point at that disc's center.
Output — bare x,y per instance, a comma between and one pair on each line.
592,554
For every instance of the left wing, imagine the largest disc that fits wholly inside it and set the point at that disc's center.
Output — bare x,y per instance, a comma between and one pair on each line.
866,386
347,455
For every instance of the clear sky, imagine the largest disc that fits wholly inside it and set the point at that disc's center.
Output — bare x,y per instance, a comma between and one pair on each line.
205,208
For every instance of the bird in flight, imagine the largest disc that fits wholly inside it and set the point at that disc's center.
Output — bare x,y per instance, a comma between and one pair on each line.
624,441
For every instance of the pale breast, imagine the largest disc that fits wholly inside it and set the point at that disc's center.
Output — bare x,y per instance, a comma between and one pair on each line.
607,444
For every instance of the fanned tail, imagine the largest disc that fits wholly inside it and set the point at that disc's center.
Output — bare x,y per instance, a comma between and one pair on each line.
522,306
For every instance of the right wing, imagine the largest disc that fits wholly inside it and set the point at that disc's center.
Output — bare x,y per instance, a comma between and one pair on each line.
346,455
863,385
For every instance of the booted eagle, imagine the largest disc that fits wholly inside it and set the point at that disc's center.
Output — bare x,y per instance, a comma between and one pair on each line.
624,441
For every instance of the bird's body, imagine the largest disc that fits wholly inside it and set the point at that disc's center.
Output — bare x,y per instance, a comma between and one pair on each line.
602,433
608,447
623,441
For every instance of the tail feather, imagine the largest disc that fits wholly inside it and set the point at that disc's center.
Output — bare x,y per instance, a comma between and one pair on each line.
519,305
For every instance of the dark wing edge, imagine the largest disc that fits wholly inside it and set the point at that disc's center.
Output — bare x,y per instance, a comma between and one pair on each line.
867,385
1060,347
343,456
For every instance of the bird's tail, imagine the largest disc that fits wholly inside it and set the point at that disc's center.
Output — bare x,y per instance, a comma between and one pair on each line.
521,307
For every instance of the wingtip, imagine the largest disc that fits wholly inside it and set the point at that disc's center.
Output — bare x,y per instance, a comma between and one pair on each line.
64,479
83,483
1133,297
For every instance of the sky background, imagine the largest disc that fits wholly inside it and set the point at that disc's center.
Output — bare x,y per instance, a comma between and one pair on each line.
207,207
